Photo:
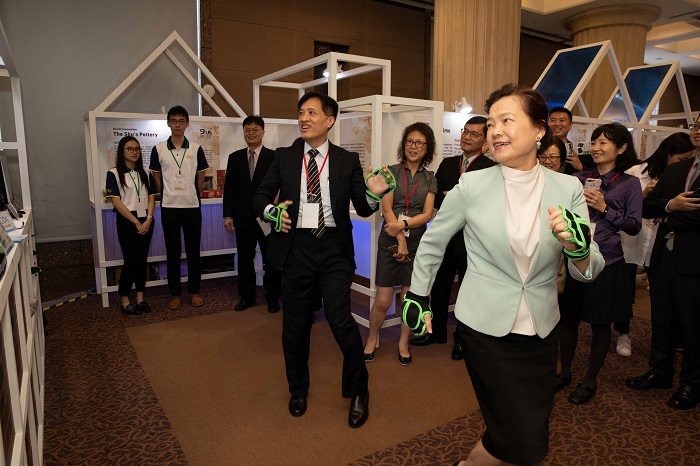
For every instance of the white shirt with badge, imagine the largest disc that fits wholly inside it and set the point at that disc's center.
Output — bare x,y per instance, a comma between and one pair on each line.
308,211
178,168
134,194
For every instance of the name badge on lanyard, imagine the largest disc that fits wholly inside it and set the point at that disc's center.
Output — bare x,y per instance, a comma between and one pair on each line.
309,217
141,201
180,178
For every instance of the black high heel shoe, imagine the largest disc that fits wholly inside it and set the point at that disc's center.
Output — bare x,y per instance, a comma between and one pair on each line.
405,361
369,357
129,310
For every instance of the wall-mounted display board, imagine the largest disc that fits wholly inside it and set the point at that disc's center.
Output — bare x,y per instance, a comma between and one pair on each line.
219,137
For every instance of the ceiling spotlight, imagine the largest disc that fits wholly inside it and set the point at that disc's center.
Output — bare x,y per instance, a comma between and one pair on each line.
461,106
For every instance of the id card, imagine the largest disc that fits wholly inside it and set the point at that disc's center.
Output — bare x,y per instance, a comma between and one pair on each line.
309,216
403,217
180,182
141,209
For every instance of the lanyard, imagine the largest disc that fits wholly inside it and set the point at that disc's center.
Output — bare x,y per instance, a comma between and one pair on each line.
405,189
690,169
137,187
179,165
610,182
310,183
461,163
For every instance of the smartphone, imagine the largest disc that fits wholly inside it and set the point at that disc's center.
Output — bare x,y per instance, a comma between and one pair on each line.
393,249
592,184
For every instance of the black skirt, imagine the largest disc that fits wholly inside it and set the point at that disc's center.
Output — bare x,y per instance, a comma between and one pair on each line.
390,273
605,300
513,378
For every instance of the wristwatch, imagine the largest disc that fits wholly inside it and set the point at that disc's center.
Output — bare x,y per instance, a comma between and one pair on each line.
405,225
605,212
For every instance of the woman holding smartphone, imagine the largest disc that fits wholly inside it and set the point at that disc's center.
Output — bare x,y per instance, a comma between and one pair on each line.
133,196
614,201
406,211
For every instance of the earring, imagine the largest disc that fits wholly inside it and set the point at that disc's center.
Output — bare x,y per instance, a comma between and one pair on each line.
538,144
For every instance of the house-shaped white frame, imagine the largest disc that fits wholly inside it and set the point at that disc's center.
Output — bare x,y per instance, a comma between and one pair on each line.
95,175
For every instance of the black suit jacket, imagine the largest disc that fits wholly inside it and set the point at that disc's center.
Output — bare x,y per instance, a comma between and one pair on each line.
447,174
346,182
239,189
685,225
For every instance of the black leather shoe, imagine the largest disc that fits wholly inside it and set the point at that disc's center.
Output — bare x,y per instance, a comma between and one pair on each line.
297,406
649,380
405,361
369,357
560,382
457,353
244,304
686,397
359,410
273,305
427,339
129,310
582,394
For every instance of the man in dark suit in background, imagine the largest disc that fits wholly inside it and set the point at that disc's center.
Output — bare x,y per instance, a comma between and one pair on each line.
455,260
245,170
560,122
674,279
316,181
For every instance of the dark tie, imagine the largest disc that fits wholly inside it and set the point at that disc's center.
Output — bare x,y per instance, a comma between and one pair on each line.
251,162
314,195
693,175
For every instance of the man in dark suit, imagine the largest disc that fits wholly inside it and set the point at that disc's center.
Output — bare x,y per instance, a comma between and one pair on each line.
455,260
560,122
316,181
674,280
245,170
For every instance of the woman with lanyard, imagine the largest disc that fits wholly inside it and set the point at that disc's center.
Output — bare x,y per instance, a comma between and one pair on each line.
133,197
614,201
406,211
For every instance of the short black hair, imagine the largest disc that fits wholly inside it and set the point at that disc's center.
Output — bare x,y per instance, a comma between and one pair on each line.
328,104
254,119
562,110
561,147
178,110
478,120
618,135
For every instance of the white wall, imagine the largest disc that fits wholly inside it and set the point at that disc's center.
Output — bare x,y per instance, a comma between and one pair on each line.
70,55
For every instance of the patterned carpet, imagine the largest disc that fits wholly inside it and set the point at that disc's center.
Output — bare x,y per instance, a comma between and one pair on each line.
101,409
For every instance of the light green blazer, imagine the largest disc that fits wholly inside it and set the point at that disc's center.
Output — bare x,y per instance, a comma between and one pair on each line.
490,293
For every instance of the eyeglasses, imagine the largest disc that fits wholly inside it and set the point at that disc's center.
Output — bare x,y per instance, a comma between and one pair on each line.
177,122
418,144
251,130
551,158
694,127
473,134
132,150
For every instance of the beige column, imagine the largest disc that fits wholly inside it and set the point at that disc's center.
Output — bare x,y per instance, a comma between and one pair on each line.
626,26
476,49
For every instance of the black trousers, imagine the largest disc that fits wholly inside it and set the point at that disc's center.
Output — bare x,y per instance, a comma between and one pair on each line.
135,251
246,239
319,264
189,221
454,262
675,302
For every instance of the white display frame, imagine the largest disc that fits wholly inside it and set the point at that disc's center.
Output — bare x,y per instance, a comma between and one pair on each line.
384,141
20,297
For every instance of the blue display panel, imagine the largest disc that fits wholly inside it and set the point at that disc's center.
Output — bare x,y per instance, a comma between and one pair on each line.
565,73
642,84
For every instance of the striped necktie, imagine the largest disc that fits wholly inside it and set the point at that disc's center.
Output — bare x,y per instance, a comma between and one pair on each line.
314,195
